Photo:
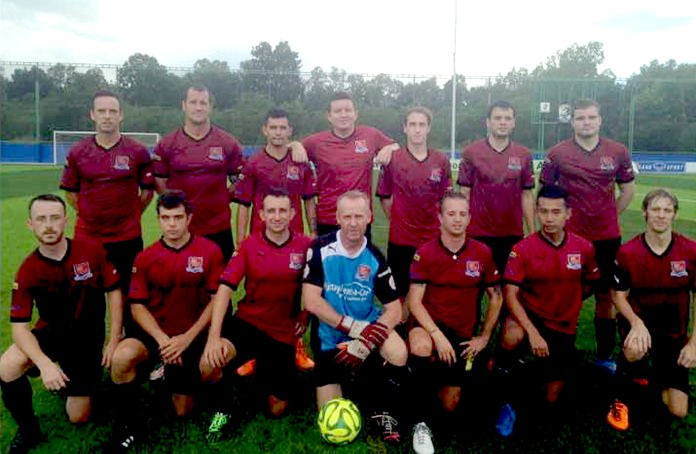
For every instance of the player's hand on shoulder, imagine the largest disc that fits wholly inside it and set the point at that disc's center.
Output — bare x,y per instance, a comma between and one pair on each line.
298,152
53,377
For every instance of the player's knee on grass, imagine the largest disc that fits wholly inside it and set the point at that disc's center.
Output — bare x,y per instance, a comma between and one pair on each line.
394,350
450,397
632,354
420,343
78,409
129,353
183,404
513,334
327,392
13,364
677,402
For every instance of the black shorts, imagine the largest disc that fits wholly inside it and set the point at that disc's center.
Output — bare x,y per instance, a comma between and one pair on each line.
562,357
78,356
500,247
275,360
184,379
444,374
605,255
328,372
122,255
663,357
323,229
399,259
224,241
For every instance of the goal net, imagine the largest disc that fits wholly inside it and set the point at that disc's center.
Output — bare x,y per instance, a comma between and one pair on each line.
64,140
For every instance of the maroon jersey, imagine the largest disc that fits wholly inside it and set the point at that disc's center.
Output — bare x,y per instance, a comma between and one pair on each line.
416,188
343,165
590,177
176,284
200,168
108,182
68,293
496,179
262,172
659,286
273,283
455,282
551,278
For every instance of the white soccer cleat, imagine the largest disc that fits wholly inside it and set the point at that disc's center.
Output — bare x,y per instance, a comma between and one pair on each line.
423,439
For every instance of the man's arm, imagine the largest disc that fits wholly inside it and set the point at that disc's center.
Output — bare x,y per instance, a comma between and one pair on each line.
52,376
638,337
528,210
216,350
115,301
626,193
538,344
687,356
298,152
386,203
71,197
160,184
144,318
242,221
176,345
384,154
146,197
310,206
495,303
315,304
414,301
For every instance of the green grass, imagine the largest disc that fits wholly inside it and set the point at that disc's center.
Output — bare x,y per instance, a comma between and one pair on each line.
585,431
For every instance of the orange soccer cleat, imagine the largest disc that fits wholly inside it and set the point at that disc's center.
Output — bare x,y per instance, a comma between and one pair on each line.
302,361
246,369
618,416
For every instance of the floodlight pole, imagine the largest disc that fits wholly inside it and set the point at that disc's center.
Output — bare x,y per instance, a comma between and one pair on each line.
454,86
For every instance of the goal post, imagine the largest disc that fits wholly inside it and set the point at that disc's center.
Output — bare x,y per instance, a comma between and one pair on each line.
64,140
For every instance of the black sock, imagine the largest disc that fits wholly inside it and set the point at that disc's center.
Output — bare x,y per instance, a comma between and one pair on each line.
395,381
128,408
506,365
17,396
605,336
423,403
221,391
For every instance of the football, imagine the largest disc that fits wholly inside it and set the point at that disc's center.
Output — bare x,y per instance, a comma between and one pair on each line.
339,421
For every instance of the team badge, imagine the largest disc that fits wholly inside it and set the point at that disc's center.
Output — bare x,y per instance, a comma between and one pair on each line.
82,271
514,163
296,261
361,146
363,273
122,163
678,268
195,265
574,262
293,173
473,268
607,163
436,175
215,153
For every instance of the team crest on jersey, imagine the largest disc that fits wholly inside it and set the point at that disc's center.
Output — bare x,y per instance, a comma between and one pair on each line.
574,262
361,146
363,273
122,163
678,268
195,265
296,261
607,163
514,163
293,173
82,271
215,153
436,175
473,268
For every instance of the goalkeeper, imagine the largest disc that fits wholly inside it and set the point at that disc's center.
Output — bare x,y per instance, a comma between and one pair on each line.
344,272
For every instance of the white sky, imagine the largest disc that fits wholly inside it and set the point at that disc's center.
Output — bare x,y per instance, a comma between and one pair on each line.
360,36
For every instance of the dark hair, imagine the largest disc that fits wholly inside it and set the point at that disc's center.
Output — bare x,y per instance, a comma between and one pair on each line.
451,194
46,198
340,96
173,198
660,193
275,192
505,105
106,94
199,88
581,104
553,191
276,113
421,110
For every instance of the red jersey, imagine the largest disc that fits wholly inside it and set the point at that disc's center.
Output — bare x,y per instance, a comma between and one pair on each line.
659,286
343,165
590,177
108,182
551,278
200,168
455,282
416,188
262,172
273,283
496,179
68,293
176,284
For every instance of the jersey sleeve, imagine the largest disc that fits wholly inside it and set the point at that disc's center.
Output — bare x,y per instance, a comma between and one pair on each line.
385,182
419,269
22,299
146,177
70,180
109,274
309,183
527,179
139,292
624,173
160,163
314,269
491,275
308,144
467,171
622,272
549,170
384,285
235,160
515,268
244,189
236,268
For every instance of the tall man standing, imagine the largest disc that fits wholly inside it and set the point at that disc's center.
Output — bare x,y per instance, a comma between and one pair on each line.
108,180
588,168
498,177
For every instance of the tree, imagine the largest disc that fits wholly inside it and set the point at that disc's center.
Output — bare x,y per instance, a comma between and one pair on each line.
217,77
317,90
275,72
24,80
144,82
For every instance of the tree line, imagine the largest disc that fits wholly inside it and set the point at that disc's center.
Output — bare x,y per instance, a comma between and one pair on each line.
652,110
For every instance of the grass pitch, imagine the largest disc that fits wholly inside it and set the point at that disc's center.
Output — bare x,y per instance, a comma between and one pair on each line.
581,429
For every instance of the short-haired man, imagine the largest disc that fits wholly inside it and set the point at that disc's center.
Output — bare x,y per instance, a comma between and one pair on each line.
344,157
268,319
497,175
655,282
170,294
588,168
449,275
66,280
108,180
548,275
198,159
409,188
344,273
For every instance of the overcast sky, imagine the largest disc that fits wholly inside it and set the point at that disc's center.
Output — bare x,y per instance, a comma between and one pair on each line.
360,36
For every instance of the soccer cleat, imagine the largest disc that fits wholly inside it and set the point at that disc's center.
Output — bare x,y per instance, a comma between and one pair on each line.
618,416
24,440
218,422
505,423
387,425
644,382
607,365
246,369
302,361
124,441
422,439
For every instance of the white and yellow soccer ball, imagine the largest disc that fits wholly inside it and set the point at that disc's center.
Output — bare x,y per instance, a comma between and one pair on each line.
339,421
